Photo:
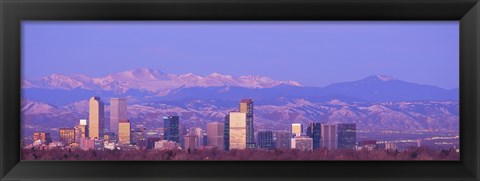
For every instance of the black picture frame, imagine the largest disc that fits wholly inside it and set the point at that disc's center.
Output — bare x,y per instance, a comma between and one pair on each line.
12,12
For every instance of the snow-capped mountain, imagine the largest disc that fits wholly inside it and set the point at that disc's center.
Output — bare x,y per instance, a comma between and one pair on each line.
153,81
146,85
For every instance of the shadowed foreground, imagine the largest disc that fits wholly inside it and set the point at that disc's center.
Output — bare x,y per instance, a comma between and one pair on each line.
216,154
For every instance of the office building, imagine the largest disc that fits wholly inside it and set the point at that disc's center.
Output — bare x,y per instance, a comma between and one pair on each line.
110,137
98,144
314,132
182,131
171,128
118,113
328,139
124,133
95,118
87,144
205,139
151,142
166,145
190,142
238,130
302,143
43,137
226,133
347,135
81,131
215,133
246,106
297,129
390,145
368,145
67,135
198,132
283,139
83,122
265,140
139,138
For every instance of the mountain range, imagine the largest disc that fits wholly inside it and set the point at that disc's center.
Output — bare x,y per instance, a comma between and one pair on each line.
147,85
374,103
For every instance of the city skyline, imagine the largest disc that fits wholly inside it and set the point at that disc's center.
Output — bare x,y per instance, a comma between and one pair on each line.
317,136
237,126
240,90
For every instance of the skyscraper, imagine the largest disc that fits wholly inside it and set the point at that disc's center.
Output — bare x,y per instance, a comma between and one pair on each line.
347,135
265,140
297,129
198,132
182,131
314,132
81,131
124,133
171,126
226,133
329,136
246,106
95,118
215,133
67,135
238,130
118,113
283,139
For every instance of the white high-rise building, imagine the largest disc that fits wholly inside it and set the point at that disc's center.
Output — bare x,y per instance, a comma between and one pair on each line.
238,130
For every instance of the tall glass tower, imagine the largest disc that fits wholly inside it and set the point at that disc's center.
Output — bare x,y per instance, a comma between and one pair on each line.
246,106
118,113
171,125
314,132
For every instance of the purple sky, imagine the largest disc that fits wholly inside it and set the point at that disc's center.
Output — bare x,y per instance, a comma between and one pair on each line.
313,53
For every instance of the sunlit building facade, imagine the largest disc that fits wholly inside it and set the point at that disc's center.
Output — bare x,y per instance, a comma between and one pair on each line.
67,135
81,131
124,133
238,130
302,143
43,137
246,106
118,113
297,129
95,118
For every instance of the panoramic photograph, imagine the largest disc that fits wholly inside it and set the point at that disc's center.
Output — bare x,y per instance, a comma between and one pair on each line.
240,90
